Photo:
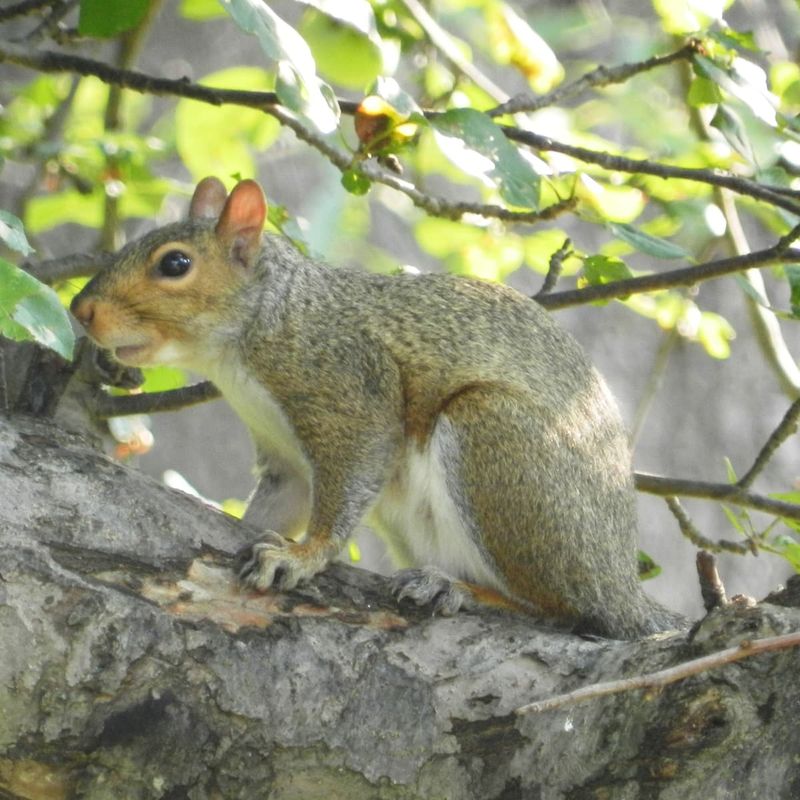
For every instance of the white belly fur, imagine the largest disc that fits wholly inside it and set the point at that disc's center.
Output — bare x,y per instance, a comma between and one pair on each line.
417,508
261,413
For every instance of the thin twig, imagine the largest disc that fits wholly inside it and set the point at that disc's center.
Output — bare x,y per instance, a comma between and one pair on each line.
599,77
687,276
104,405
555,266
690,531
664,677
727,492
776,195
786,427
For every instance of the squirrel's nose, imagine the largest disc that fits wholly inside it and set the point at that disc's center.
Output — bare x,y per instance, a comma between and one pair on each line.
82,309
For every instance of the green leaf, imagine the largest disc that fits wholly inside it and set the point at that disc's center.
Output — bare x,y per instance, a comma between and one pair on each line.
298,86
734,519
355,182
703,92
792,273
472,141
201,10
648,568
163,379
645,243
12,235
329,38
105,18
31,311
219,140
602,269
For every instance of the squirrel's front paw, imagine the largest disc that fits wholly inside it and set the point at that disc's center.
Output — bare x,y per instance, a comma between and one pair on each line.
431,586
279,563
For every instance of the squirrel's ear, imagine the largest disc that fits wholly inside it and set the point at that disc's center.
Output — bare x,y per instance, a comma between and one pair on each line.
208,199
242,220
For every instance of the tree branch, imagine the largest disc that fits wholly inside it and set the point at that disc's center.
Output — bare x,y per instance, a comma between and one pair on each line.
598,77
786,427
690,531
687,276
50,61
664,677
726,492
787,199
104,405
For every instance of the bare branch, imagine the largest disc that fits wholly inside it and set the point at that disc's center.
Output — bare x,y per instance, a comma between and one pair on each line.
786,427
788,199
690,531
688,276
103,405
601,76
727,492
554,268
664,677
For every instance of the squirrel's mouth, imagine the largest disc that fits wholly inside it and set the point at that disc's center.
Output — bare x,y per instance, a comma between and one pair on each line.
128,353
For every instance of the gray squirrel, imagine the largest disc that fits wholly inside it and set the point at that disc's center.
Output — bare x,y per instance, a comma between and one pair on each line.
454,415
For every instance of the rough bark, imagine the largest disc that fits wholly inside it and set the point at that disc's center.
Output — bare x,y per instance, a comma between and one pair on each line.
132,666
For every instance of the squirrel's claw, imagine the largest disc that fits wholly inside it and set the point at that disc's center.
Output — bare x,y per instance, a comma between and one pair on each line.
431,586
278,563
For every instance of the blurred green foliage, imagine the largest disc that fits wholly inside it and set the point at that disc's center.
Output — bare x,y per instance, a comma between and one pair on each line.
731,105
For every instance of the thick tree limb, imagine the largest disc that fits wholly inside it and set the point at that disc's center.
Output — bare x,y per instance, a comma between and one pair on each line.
133,666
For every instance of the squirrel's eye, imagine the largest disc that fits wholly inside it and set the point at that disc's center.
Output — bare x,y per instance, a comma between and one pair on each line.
174,264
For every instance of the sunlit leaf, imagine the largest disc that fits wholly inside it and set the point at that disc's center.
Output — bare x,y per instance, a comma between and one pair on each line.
201,10
513,41
330,37
703,92
298,86
600,269
715,333
472,141
744,80
31,311
163,379
688,16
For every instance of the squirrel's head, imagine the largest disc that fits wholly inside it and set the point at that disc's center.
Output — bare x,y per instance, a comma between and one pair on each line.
167,293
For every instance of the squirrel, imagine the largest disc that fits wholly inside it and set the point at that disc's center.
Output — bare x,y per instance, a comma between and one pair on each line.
454,415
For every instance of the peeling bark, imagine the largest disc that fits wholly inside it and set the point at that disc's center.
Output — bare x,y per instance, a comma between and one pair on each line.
133,666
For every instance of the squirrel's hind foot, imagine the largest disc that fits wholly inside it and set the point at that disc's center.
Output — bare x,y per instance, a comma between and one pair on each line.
431,586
